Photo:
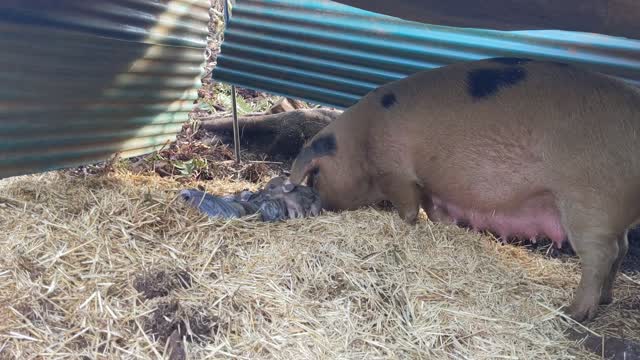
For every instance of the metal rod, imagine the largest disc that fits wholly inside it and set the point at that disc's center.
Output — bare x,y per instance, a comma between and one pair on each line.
236,131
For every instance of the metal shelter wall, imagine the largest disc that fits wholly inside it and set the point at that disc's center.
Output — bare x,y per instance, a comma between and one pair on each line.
333,54
608,17
82,80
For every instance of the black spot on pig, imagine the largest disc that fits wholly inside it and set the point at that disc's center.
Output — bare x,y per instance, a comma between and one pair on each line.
324,145
388,100
510,60
483,83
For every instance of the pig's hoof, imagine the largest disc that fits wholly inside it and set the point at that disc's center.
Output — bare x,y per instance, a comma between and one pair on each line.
581,312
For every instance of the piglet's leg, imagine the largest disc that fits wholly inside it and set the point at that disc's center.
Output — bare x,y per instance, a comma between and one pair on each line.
404,195
294,209
315,208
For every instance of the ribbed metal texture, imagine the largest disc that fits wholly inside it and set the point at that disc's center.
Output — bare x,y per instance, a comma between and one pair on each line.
334,54
82,80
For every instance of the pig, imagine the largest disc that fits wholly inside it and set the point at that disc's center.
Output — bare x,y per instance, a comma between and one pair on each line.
272,203
519,147
226,207
302,202
280,136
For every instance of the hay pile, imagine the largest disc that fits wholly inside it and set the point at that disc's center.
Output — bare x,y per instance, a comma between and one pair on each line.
115,266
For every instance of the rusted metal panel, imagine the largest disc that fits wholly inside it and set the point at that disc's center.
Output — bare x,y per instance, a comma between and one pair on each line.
83,80
333,54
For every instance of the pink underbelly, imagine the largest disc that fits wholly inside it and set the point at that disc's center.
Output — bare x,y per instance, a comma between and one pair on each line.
535,219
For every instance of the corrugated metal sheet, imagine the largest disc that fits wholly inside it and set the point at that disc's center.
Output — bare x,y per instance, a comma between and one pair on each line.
333,54
608,17
82,80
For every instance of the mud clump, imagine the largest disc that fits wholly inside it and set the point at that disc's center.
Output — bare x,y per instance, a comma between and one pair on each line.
199,324
163,320
170,324
160,283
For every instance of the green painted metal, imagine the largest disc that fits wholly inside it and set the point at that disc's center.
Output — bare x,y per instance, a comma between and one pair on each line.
333,54
82,80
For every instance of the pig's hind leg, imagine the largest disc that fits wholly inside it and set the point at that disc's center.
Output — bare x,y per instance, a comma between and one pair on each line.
593,237
606,297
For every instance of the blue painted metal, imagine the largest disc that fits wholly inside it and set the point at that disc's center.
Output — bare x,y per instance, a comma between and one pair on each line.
82,80
333,54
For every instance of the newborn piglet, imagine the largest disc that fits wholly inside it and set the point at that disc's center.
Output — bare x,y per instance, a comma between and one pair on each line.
271,203
226,207
301,202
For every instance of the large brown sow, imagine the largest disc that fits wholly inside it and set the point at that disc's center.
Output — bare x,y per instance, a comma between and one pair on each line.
518,147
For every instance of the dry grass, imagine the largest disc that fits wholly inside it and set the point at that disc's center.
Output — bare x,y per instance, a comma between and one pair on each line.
111,266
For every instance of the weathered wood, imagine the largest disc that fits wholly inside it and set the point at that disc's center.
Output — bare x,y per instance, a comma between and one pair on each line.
281,106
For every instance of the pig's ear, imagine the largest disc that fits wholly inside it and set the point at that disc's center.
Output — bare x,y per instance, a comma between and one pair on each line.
321,146
302,166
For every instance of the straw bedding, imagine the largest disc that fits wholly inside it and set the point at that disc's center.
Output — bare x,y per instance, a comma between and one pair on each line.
115,266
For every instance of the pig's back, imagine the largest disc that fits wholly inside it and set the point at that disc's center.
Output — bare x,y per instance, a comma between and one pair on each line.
497,130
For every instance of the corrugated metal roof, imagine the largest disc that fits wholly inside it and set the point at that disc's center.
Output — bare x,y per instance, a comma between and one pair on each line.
82,80
608,17
333,54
